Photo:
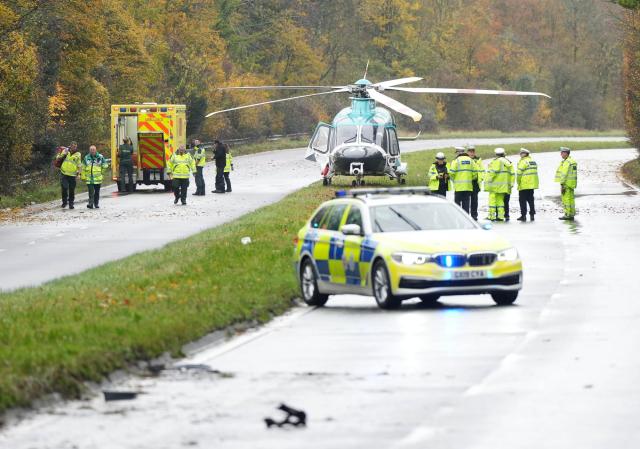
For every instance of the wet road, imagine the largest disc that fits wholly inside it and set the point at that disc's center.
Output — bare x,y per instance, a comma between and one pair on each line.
559,370
48,242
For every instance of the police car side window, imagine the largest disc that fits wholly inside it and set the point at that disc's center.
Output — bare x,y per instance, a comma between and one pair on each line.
317,219
355,216
335,217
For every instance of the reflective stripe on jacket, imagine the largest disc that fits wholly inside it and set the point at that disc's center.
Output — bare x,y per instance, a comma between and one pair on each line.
227,167
567,173
181,166
527,174
200,156
93,166
463,172
434,180
499,176
72,163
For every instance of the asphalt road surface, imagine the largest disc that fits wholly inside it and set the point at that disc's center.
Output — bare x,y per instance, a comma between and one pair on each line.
558,370
46,242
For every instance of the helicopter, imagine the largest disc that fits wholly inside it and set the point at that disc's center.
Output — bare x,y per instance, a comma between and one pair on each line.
362,139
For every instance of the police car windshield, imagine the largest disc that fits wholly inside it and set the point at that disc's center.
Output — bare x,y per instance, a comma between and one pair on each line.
418,217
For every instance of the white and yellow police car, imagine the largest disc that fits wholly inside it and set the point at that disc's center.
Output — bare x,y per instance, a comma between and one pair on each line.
401,243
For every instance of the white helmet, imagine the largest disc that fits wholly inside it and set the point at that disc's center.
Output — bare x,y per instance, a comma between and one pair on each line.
461,150
440,155
499,151
525,151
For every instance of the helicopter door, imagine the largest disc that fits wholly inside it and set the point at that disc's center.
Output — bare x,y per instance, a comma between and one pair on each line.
319,141
393,145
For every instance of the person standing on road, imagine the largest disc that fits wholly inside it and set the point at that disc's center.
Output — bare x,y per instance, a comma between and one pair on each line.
228,168
528,181
70,168
94,163
463,173
471,150
439,181
512,181
125,161
220,157
181,165
200,158
567,176
497,183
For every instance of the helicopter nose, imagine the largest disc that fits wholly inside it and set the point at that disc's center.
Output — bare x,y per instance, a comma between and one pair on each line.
373,160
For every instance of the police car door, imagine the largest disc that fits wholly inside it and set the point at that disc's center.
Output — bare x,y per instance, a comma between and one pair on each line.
332,243
351,259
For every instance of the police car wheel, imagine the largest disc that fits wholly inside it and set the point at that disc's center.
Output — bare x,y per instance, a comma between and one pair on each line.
504,298
309,285
382,288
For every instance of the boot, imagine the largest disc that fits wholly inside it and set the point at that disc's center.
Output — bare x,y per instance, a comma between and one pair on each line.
531,217
522,218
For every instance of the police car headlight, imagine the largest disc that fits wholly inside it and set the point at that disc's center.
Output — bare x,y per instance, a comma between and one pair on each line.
411,258
508,255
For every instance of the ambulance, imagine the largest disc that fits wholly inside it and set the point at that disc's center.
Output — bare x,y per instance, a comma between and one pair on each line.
156,131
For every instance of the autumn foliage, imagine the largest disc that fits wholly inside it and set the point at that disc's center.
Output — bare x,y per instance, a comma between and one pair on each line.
62,63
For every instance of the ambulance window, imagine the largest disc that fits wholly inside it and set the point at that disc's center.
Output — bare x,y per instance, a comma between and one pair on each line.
332,222
317,219
354,217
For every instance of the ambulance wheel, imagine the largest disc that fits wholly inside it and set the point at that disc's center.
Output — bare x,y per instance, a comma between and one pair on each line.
309,285
430,300
504,298
382,288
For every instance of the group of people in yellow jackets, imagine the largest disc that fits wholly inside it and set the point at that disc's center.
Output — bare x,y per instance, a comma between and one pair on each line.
90,170
182,165
466,172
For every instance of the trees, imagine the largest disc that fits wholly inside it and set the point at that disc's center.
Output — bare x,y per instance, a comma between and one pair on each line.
631,70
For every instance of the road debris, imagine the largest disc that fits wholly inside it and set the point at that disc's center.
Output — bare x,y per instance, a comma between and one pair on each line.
245,240
119,395
295,418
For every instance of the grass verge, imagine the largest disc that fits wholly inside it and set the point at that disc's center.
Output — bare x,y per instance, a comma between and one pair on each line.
450,134
82,327
631,172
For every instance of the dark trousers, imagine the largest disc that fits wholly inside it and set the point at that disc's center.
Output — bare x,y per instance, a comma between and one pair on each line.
94,194
526,197
180,187
474,200
463,199
442,191
227,180
68,185
199,181
126,177
507,197
220,178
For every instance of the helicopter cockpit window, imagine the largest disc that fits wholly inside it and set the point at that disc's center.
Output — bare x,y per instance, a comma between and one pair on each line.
394,147
346,134
372,134
320,139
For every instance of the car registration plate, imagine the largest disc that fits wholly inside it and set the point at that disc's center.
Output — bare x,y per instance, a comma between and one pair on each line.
473,274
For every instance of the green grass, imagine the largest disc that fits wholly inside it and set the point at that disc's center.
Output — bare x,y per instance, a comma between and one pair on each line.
451,134
44,189
631,172
82,327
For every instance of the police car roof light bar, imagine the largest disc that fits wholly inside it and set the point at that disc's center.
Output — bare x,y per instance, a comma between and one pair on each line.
385,191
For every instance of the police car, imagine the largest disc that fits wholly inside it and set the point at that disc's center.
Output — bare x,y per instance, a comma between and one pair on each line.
401,243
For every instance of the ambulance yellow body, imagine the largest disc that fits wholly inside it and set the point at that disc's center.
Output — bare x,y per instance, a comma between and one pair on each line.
156,131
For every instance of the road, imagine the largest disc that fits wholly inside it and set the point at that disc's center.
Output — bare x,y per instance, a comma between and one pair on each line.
46,243
558,370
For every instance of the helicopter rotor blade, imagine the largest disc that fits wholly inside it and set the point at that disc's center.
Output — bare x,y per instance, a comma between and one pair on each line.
277,101
437,90
385,84
278,87
394,104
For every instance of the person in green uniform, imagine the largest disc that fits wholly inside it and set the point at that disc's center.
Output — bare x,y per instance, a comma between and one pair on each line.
125,159
567,176
94,164
69,171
